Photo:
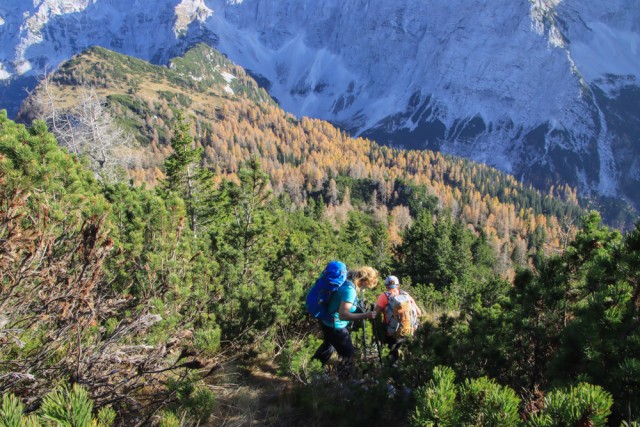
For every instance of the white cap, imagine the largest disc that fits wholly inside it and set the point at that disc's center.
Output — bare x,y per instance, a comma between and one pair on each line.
391,282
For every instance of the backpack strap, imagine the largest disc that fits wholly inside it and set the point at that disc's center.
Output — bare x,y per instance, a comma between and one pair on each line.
335,294
388,311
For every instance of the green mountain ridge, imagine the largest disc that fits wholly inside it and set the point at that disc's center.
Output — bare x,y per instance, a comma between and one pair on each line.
234,119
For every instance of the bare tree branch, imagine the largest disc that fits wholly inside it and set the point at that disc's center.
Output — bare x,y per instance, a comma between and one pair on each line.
85,128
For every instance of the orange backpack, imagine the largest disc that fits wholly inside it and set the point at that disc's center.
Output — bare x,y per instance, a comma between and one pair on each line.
402,315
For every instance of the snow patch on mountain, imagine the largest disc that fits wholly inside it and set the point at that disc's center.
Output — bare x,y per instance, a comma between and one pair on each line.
542,14
228,78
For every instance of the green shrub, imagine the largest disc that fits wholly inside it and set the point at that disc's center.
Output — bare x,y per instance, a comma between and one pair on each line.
106,417
483,402
436,401
12,413
477,402
169,419
194,401
207,340
68,407
295,360
584,404
63,407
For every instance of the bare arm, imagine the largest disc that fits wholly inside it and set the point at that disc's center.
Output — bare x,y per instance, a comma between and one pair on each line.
345,314
419,312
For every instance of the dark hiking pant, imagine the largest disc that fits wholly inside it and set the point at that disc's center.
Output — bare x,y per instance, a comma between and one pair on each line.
394,345
335,340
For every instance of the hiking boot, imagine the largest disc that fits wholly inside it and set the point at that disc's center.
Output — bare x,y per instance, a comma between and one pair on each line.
345,371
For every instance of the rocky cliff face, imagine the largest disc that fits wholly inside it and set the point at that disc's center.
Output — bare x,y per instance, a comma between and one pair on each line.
545,89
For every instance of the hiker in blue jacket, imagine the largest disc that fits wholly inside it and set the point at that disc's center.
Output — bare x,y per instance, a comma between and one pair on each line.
343,306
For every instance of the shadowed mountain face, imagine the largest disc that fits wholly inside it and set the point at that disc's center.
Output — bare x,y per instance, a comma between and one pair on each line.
544,89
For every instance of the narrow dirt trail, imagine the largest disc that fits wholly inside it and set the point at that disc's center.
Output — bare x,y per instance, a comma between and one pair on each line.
253,396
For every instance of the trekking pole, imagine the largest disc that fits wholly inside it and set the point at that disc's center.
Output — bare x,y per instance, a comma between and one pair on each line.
375,335
364,326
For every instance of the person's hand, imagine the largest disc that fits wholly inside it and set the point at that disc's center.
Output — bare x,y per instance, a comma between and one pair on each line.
371,314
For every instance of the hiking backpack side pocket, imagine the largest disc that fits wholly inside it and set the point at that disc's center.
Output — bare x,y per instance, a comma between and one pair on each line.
318,299
320,294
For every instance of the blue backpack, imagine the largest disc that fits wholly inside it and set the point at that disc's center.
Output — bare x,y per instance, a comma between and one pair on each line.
320,294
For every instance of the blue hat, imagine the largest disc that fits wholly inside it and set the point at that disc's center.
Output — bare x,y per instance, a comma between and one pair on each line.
335,272
391,282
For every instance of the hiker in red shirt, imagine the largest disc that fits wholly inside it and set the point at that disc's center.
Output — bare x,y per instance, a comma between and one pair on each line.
400,315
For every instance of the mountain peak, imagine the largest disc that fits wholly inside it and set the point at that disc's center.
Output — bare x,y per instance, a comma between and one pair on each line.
189,11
